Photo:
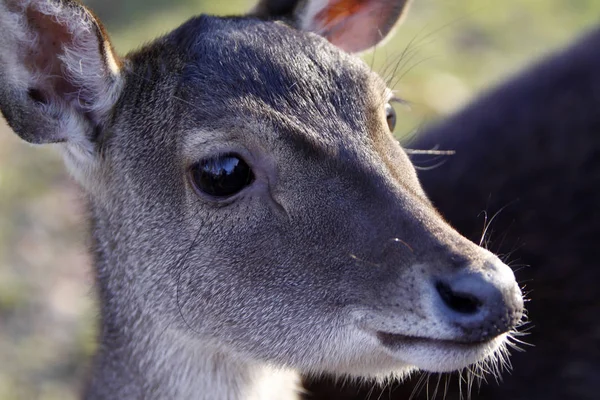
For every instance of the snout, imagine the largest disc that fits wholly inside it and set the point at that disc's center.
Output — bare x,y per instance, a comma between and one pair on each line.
480,304
463,313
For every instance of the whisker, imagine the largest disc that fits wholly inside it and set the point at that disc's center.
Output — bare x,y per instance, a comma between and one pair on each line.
496,214
460,382
430,167
417,41
430,152
397,240
412,66
418,387
446,385
437,386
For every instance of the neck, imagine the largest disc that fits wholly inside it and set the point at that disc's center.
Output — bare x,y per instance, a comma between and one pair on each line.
163,366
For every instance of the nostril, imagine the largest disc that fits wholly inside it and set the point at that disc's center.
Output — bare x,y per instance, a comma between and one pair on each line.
480,305
462,303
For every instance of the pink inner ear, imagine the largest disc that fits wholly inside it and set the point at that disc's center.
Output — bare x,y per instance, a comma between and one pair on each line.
356,25
340,9
44,59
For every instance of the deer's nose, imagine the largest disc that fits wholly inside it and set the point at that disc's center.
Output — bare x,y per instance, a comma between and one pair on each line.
482,305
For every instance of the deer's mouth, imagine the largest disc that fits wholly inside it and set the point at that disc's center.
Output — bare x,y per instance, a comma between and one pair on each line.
393,340
440,355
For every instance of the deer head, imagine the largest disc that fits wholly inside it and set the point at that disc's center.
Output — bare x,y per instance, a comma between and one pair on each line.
250,205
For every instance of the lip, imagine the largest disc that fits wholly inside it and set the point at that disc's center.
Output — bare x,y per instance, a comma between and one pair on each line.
398,341
439,355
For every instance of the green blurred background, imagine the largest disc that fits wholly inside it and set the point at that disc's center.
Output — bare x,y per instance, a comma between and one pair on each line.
456,48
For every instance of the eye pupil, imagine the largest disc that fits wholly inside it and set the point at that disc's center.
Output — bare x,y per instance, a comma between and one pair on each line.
221,176
390,115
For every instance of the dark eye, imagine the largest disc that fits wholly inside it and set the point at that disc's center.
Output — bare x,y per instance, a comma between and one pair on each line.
221,176
390,116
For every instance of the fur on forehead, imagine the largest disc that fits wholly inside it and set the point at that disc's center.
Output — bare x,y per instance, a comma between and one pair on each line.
229,61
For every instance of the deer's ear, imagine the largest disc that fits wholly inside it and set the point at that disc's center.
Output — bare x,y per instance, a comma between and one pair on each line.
352,25
59,77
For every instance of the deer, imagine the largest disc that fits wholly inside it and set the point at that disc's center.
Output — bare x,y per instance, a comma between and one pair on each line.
252,216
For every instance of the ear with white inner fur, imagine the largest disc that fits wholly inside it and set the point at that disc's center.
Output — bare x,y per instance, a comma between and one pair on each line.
59,77
352,25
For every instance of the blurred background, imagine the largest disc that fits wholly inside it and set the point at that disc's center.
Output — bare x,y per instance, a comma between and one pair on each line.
445,53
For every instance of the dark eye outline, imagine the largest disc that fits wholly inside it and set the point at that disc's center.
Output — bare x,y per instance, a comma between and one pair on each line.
250,179
390,116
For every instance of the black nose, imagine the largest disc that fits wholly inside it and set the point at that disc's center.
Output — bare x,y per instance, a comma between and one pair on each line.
482,305
459,301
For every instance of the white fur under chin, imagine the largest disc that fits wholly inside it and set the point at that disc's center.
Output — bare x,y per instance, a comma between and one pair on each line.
275,385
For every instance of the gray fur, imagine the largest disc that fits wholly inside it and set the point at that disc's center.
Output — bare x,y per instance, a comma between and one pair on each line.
328,262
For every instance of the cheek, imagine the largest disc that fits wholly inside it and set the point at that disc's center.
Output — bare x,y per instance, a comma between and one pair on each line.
229,294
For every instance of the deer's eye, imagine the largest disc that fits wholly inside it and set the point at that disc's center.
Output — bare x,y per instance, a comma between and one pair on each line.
390,116
221,176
